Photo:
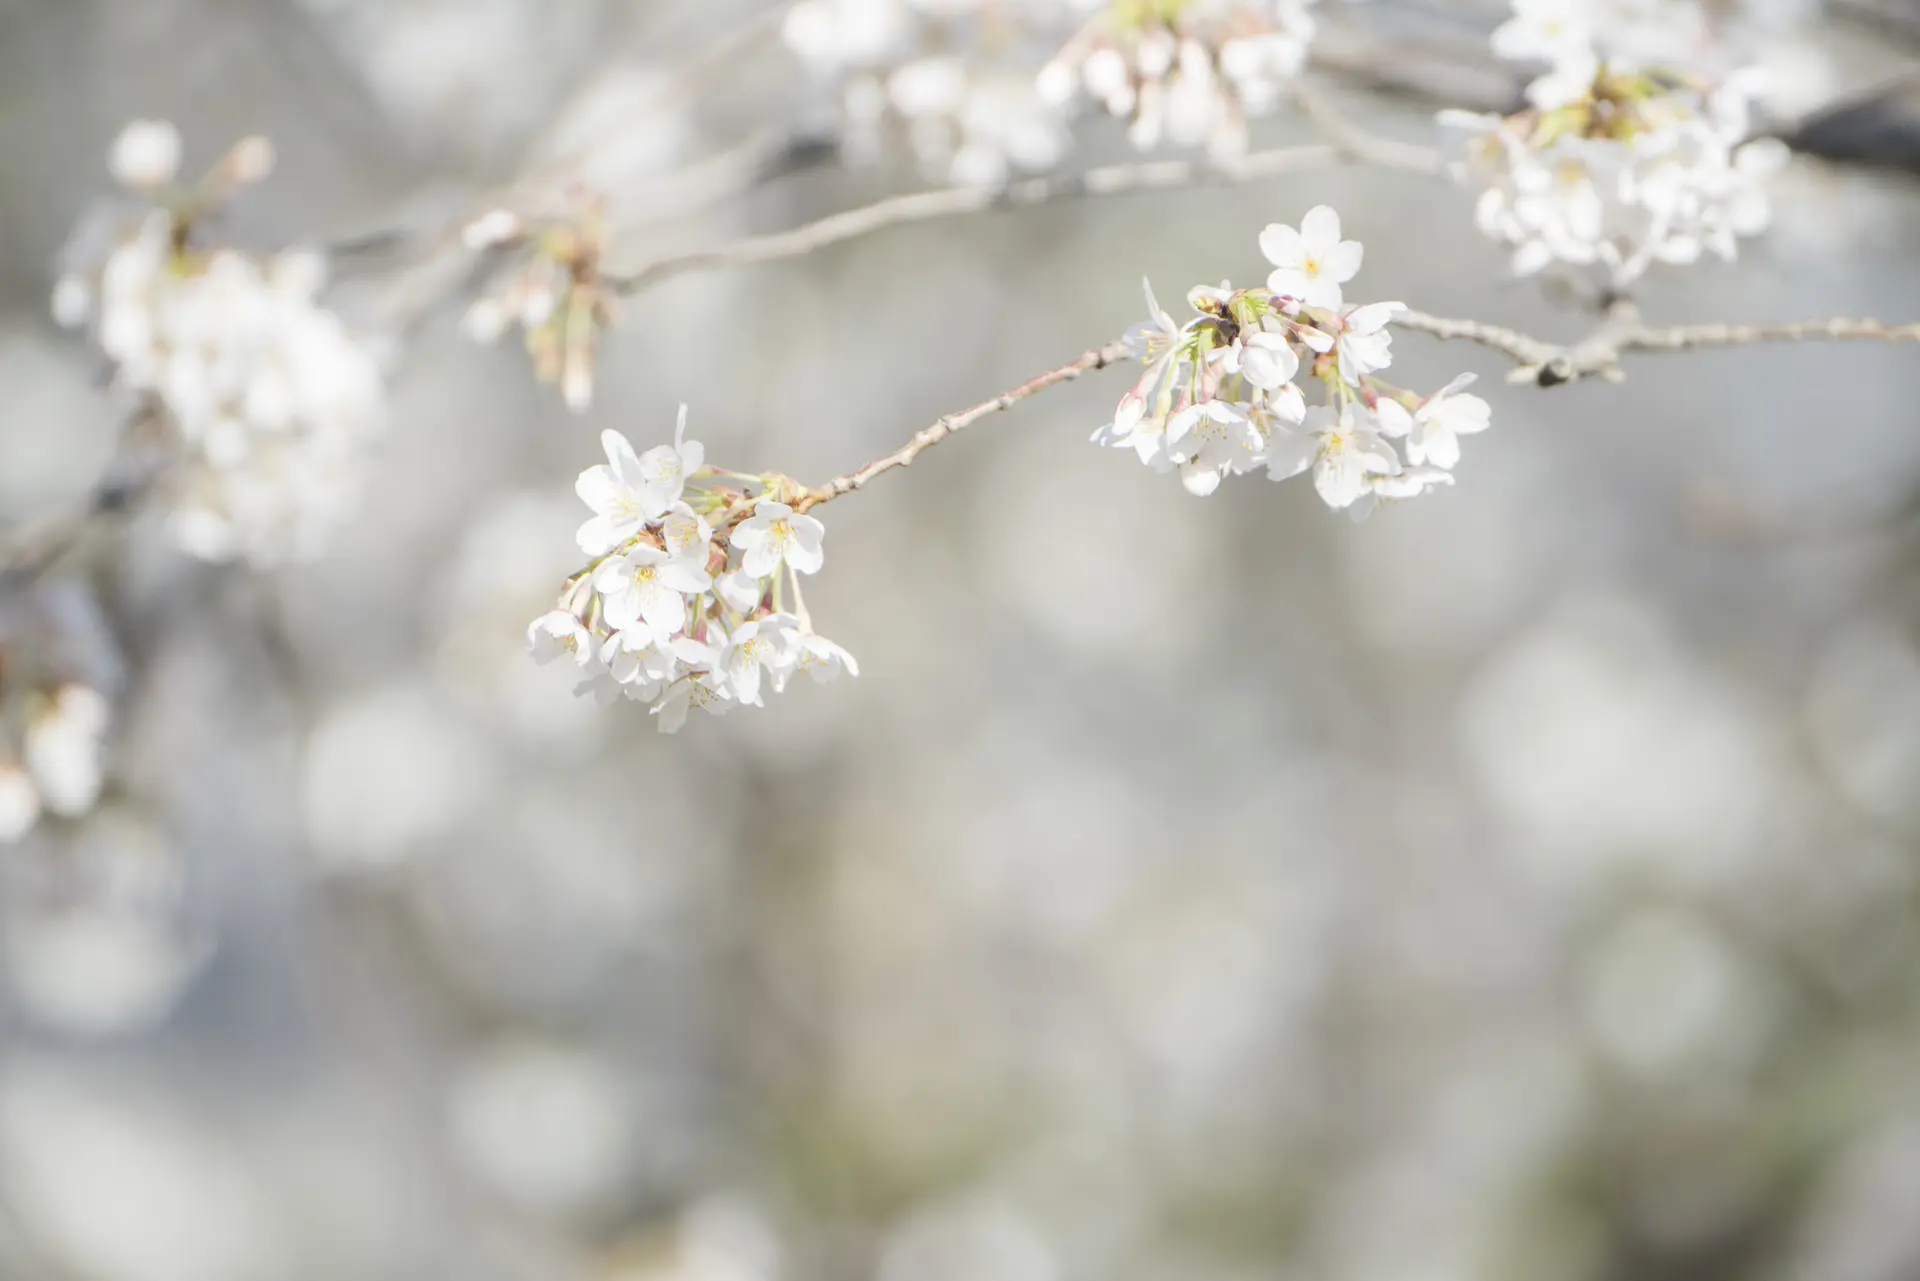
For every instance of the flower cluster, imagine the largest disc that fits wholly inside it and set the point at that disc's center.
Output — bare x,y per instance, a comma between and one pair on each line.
692,597
269,395
1189,72
1615,165
1219,394
905,68
554,293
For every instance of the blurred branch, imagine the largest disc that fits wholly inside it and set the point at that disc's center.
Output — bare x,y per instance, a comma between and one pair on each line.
32,548
1622,332
927,437
708,67
1110,180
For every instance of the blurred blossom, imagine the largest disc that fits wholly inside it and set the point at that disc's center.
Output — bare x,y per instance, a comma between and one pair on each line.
719,1238
63,747
1143,609
546,1125
1605,746
473,75
112,1187
387,774
964,1239
1666,996
98,945
615,129
545,900
1513,889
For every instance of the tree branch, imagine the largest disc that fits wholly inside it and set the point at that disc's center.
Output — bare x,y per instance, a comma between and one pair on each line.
1110,180
1622,332
30,549
928,437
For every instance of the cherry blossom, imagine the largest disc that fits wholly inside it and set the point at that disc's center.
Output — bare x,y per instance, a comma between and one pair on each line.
1313,262
1219,396
775,535
616,490
691,599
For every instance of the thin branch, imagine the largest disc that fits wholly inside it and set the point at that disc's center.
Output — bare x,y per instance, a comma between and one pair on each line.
1110,180
927,437
1358,142
30,549
1622,332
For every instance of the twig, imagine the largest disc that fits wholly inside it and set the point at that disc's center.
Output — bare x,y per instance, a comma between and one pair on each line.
928,437
31,549
1360,143
1599,355
1110,180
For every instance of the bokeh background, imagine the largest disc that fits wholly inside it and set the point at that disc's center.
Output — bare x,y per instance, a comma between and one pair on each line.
1520,885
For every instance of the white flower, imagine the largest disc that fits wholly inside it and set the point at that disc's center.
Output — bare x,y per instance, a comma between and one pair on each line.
556,633
821,659
687,534
1343,450
648,584
741,592
706,690
640,660
776,533
1363,343
1439,423
764,646
617,493
1544,31
1140,421
601,684
145,155
1209,439
1569,81
1268,360
63,746
664,469
1397,487
1312,263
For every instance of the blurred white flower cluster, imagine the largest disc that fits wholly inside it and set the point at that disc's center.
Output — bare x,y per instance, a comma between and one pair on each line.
1694,34
60,669
692,598
269,395
1219,395
919,69
1618,163
554,292
58,768
1189,72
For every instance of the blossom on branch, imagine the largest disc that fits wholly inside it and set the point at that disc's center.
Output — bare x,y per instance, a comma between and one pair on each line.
692,596
555,293
1620,162
266,397
1188,72
1219,396
950,80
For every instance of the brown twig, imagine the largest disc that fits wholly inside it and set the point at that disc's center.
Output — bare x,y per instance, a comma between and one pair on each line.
1622,333
927,437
